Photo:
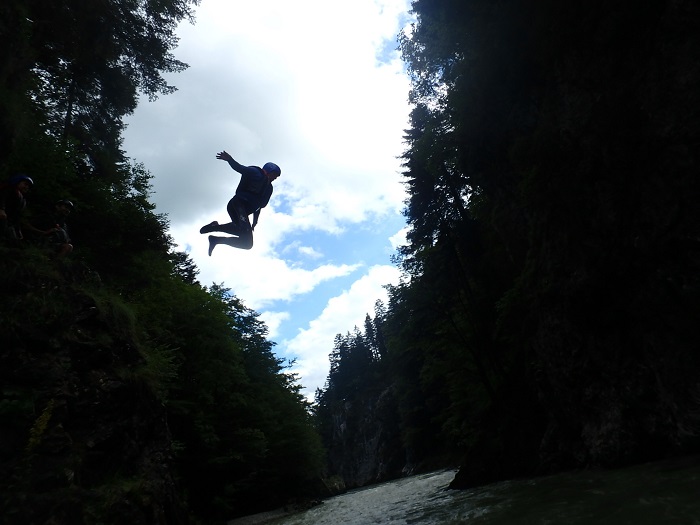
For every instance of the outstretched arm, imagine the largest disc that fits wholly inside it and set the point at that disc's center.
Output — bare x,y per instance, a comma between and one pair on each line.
29,226
228,158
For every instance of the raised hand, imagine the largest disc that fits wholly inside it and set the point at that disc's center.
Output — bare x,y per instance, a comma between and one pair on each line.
224,156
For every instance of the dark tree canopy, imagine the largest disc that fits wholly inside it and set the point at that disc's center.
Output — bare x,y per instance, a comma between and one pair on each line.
551,267
83,65
128,391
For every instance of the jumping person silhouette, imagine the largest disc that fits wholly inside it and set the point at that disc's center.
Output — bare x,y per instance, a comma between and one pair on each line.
252,194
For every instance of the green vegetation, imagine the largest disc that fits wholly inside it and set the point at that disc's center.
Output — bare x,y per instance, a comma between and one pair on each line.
547,315
129,392
546,320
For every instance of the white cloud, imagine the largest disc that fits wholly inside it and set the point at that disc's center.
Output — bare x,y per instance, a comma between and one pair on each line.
292,82
399,239
255,275
273,320
310,252
308,85
342,313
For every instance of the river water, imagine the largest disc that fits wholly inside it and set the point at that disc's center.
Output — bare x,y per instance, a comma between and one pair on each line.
665,492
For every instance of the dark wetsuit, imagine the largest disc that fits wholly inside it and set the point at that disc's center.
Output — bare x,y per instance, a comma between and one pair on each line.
53,221
252,194
13,202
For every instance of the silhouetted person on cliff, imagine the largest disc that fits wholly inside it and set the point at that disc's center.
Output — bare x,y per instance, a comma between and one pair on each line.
252,194
12,204
52,229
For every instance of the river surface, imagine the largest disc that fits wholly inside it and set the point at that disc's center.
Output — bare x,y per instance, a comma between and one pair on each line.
665,492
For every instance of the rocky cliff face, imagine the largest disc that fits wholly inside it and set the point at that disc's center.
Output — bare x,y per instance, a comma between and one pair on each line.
366,446
83,436
614,345
626,107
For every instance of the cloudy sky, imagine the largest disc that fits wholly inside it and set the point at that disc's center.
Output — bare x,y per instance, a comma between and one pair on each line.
318,87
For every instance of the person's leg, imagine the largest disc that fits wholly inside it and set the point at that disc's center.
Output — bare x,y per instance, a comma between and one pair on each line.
64,249
239,227
212,226
4,230
239,224
244,242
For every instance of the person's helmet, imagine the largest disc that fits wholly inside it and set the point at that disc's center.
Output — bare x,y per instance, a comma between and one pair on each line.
66,203
19,178
271,167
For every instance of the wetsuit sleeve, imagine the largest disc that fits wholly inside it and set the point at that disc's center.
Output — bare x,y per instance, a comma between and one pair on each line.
265,196
252,179
246,171
264,199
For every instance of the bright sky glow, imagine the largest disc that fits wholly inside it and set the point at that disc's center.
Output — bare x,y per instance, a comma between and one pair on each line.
317,87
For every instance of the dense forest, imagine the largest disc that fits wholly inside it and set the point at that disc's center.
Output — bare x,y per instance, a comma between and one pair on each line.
546,319
129,392
547,316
